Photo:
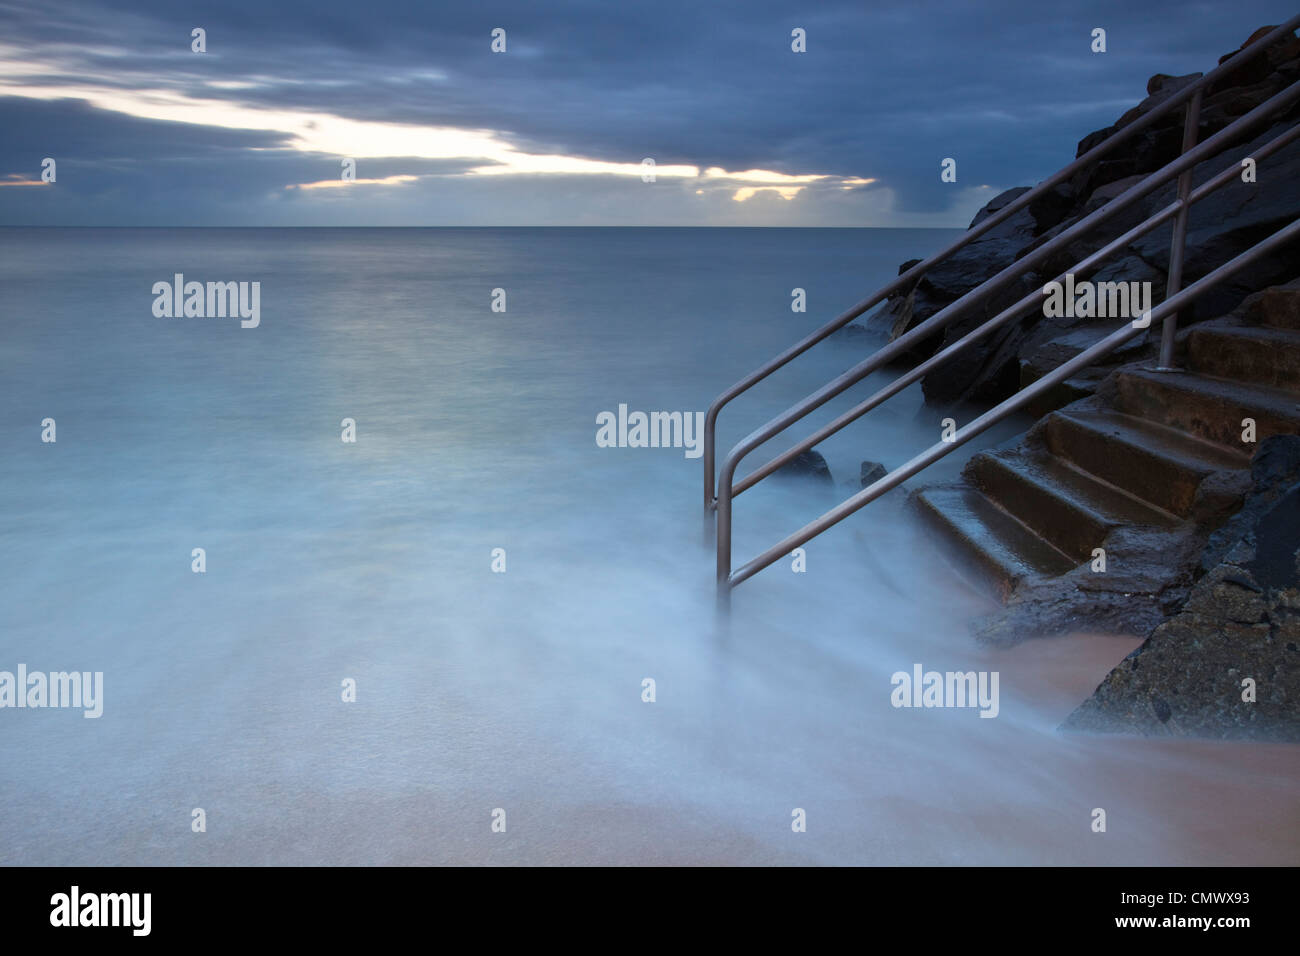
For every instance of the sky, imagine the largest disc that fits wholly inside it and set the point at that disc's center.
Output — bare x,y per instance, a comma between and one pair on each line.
556,128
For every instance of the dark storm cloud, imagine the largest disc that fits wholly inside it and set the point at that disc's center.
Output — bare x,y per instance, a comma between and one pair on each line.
75,131
156,172
886,90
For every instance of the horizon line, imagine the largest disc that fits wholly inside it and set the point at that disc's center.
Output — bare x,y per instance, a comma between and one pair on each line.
77,226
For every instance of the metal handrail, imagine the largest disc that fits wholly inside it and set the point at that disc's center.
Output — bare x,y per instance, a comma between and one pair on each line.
1083,267
1173,102
946,315
1085,358
1181,167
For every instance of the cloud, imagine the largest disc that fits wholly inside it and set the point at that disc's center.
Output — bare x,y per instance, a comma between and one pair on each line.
397,180
588,88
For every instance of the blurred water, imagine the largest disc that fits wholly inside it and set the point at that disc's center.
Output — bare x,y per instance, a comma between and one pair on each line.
476,430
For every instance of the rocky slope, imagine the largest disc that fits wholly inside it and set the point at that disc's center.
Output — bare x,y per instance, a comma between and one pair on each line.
1221,226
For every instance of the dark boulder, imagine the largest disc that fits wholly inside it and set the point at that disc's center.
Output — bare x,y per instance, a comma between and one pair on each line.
872,471
1274,469
810,465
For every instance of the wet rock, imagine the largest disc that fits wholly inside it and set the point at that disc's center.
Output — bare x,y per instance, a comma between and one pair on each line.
951,279
1224,666
871,472
863,334
894,310
1147,579
1274,469
996,204
1230,221
1231,595
1218,497
1277,544
808,466
1108,191
1053,342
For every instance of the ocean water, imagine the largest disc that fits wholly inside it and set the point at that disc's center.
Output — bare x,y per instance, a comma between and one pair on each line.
519,691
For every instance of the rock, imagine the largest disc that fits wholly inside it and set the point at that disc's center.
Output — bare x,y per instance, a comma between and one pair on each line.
1257,68
1240,621
1105,193
886,316
1164,83
1218,497
1045,344
1230,221
1049,208
1067,342
1221,226
1134,596
955,276
997,203
987,369
809,465
864,334
872,471
1274,468
1143,153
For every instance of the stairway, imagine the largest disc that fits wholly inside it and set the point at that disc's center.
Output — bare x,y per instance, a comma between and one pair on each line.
1134,456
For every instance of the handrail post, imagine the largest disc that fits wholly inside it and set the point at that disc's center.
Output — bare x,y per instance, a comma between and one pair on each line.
723,511
1191,127
710,442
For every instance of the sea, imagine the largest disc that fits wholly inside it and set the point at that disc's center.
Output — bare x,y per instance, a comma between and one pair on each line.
364,587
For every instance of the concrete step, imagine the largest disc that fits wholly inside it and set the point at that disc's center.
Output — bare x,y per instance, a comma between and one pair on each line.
1209,408
1256,355
1151,462
1278,307
988,543
1066,506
